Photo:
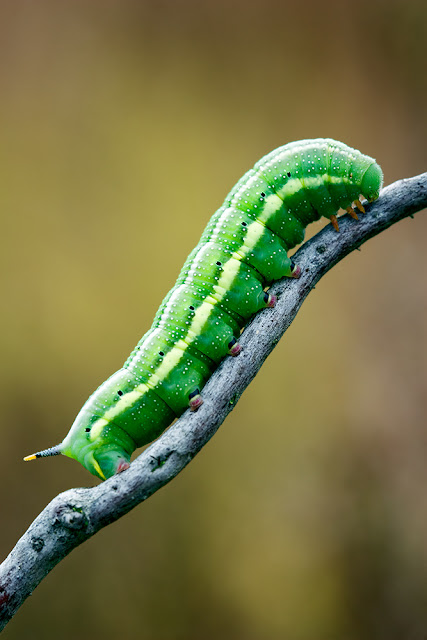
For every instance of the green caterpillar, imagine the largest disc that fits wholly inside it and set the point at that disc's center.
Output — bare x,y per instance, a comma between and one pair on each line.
222,284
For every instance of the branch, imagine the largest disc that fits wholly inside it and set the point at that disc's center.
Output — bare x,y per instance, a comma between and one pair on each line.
77,514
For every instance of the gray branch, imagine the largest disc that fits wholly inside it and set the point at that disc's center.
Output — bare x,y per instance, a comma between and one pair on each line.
77,514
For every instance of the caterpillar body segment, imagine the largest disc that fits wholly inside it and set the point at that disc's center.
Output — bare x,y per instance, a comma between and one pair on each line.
221,285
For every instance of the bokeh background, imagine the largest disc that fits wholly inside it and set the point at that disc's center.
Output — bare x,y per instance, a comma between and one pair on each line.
123,125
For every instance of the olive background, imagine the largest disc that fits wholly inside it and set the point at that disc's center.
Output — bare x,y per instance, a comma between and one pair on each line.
123,125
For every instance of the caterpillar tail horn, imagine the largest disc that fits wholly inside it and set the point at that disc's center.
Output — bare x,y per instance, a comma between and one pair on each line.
52,451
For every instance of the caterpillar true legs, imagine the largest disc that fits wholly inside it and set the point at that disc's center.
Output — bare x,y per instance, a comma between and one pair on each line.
222,284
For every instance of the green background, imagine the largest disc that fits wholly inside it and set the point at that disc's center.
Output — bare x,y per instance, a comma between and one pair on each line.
123,125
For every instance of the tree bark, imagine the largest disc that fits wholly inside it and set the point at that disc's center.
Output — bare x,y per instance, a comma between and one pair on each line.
77,514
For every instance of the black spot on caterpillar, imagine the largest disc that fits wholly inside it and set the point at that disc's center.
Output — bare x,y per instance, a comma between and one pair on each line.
221,285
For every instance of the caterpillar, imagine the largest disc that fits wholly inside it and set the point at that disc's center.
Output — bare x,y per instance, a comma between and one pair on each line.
224,282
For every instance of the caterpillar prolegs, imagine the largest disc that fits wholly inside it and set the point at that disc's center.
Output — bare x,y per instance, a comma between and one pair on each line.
221,285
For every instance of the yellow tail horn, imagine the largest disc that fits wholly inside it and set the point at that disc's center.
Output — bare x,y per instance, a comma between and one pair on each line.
53,451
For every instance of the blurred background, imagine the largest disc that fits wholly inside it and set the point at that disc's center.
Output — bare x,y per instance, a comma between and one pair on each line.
123,127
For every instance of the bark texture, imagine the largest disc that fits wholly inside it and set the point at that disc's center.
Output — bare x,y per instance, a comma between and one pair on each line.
75,515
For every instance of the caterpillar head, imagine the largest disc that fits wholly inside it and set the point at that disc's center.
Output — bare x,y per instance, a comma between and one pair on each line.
100,446
372,182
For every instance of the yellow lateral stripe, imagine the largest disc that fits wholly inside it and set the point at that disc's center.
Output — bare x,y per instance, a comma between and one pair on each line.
291,187
230,270
97,427
126,401
199,320
271,204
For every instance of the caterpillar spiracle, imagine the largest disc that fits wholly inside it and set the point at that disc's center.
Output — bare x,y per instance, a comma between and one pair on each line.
221,285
